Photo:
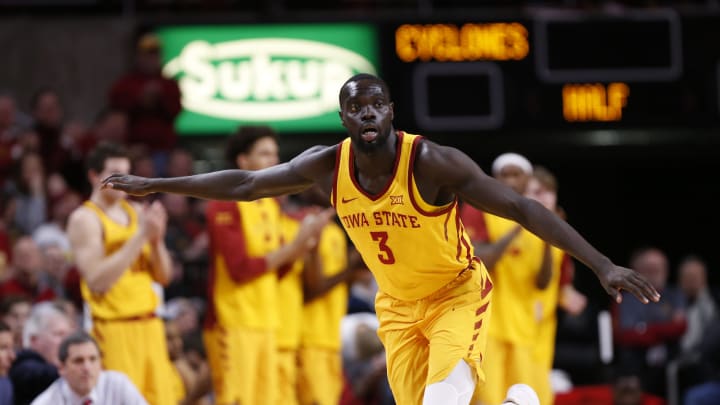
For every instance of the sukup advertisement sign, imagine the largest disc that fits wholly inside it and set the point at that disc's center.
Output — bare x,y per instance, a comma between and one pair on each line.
287,76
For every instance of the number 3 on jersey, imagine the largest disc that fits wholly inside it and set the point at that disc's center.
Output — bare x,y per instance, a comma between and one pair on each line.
386,255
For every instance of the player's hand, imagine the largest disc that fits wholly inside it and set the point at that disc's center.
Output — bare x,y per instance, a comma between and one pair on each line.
133,185
572,300
619,278
154,222
312,225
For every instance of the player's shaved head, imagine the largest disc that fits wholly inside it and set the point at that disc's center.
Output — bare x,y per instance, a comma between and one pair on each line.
350,83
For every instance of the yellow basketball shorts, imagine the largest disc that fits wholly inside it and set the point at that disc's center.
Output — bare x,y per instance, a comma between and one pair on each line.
137,347
243,363
425,339
320,379
287,376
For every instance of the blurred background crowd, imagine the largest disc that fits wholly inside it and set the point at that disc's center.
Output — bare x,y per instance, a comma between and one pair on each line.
604,352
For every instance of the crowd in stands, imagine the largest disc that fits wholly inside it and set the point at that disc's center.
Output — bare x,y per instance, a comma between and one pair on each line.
43,179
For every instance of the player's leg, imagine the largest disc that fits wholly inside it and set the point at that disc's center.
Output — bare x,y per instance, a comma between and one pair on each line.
496,368
263,349
287,377
320,379
221,348
406,349
115,340
456,389
457,331
157,361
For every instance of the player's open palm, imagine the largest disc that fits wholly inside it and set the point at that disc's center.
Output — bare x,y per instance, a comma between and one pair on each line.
311,226
154,221
620,278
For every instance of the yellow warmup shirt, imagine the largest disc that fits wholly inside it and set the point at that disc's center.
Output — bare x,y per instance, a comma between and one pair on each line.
132,294
514,280
290,293
255,225
545,306
322,316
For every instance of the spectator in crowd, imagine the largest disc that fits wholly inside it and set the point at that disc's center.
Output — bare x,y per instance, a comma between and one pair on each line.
648,336
180,163
83,381
27,204
119,249
364,362
151,101
12,124
7,356
707,390
183,377
36,366
5,251
29,278
194,353
701,307
111,125
363,287
185,314
14,312
57,137
625,388
52,233
185,231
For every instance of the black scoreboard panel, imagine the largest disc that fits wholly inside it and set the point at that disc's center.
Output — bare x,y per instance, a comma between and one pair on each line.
555,70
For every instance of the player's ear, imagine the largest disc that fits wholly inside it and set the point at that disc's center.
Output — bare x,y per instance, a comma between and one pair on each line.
340,114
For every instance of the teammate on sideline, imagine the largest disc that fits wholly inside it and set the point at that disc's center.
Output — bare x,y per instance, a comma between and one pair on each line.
397,195
119,248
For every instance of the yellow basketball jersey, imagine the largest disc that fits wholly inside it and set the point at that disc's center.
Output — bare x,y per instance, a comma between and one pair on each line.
513,317
545,303
322,316
132,294
290,293
252,304
412,247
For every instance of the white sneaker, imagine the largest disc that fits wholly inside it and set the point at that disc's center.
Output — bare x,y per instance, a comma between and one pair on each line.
521,394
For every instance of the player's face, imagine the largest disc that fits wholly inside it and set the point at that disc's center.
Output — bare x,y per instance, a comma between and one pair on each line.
82,367
119,165
7,352
514,177
263,154
367,114
538,191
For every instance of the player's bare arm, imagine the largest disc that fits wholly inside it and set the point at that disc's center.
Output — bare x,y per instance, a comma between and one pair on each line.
313,166
543,277
490,253
99,271
307,238
448,171
316,284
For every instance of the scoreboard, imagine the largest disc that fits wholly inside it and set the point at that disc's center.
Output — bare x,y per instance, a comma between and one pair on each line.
554,70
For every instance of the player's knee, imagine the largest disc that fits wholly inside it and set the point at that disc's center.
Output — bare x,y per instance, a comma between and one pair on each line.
456,389
440,393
